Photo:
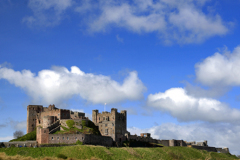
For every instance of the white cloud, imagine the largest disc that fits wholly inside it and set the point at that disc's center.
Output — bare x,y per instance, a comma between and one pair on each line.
212,92
47,12
60,84
220,69
182,21
217,135
184,107
6,64
6,139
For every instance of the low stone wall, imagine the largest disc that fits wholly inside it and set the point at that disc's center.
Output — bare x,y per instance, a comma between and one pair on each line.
209,149
164,142
85,138
20,144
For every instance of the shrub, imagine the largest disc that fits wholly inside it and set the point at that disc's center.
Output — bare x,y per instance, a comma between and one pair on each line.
12,146
79,142
84,123
61,156
70,123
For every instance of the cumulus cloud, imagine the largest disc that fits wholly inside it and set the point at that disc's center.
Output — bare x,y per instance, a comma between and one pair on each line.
47,12
220,69
217,135
199,92
181,21
60,84
176,20
184,107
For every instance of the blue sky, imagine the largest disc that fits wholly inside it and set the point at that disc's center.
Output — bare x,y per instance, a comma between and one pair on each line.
173,65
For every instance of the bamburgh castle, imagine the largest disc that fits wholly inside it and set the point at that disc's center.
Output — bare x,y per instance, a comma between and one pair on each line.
112,126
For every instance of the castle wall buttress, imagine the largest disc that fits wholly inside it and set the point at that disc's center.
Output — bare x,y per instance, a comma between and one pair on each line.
42,135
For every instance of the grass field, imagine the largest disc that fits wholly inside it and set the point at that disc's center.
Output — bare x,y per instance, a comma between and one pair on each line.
111,153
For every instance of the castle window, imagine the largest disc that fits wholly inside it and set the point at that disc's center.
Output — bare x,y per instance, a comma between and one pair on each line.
63,138
57,138
103,118
106,131
113,124
99,118
39,121
76,138
67,138
105,125
82,138
52,138
44,131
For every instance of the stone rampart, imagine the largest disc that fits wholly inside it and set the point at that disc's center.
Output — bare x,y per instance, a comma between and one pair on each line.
209,149
85,138
20,144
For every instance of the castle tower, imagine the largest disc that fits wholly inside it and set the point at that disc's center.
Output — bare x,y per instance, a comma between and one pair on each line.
94,116
112,124
33,112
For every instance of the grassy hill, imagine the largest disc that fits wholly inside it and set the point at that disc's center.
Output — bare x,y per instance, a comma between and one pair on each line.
87,128
27,137
112,153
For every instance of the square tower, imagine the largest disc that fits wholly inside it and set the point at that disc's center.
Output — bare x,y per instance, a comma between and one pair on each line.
112,124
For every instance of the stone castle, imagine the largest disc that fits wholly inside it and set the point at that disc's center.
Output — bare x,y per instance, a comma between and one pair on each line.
111,125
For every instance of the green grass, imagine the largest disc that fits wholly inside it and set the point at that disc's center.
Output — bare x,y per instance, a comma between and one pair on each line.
27,137
89,128
111,153
70,123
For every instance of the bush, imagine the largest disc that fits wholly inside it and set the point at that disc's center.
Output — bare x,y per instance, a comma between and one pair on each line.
84,123
61,156
12,146
79,142
70,123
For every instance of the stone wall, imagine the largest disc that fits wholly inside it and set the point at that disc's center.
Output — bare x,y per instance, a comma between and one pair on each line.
209,149
20,144
164,142
85,138
42,135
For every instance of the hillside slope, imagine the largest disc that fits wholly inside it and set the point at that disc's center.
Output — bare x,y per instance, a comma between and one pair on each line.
112,153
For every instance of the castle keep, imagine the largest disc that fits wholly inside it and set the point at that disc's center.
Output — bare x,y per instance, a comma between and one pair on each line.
111,129
112,124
